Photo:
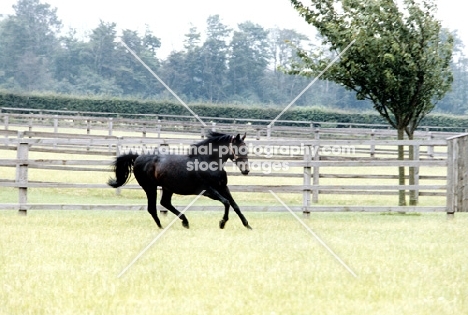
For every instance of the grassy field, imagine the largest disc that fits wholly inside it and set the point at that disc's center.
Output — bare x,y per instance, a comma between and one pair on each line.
54,262
68,262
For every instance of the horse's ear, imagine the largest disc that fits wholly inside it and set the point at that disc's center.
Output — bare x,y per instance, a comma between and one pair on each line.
243,137
238,138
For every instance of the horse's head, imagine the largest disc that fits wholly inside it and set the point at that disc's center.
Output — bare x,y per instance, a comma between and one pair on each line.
238,153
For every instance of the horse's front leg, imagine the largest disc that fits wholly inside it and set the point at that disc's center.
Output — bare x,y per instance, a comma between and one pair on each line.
227,194
224,195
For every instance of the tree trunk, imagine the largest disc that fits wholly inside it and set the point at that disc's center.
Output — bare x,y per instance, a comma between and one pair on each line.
401,170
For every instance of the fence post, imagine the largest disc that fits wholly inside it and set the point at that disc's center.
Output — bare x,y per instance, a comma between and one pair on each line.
213,126
372,146
317,132
463,174
111,125
316,175
268,131
414,176
30,125
6,119
307,175
202,132
451,177
55,123
22,153
88,127
430,148
117,153
159,128
464,157
457,175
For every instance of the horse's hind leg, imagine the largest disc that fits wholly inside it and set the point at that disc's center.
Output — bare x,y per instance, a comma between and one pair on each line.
167,203
151,195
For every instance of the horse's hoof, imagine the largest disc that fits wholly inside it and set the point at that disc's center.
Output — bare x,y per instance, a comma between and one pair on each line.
185,225
222,223
248,227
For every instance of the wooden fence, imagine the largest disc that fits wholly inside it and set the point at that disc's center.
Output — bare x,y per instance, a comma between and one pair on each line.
155,125
457,174
306,158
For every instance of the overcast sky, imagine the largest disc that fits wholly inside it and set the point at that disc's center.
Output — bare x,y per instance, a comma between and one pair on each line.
170,20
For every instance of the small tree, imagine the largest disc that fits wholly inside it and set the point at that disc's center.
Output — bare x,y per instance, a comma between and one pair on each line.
214,55
248,60
28,44
400,60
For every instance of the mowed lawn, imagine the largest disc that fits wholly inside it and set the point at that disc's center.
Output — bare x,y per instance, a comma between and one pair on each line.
68,262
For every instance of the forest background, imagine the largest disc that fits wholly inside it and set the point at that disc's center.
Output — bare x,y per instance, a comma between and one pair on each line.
217,65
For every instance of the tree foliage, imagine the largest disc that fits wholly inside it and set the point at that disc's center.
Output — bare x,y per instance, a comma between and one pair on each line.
28,40
249,60
400,59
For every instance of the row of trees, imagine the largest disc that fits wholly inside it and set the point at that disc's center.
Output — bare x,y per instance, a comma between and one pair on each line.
228,66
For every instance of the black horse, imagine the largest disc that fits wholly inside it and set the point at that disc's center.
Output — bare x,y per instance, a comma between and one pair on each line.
187,174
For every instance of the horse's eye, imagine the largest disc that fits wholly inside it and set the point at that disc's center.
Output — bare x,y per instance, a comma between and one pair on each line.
243,150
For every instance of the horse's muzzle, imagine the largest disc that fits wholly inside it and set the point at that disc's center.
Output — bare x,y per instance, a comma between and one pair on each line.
245,172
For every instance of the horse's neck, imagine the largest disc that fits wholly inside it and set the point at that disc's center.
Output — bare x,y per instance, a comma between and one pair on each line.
220,152
212,152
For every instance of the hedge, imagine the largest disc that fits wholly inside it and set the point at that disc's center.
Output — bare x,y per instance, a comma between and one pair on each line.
132,106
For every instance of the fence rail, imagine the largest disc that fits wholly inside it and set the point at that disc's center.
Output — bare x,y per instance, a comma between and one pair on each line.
143,125
102,116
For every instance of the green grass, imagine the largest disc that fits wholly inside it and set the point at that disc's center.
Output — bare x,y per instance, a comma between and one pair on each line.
67,262
54,262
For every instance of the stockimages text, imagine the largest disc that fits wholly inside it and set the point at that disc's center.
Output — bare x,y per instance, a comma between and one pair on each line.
210,158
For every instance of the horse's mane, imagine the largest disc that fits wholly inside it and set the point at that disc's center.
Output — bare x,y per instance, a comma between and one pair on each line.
214,137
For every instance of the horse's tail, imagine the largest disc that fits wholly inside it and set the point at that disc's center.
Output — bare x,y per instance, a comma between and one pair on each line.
123,166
